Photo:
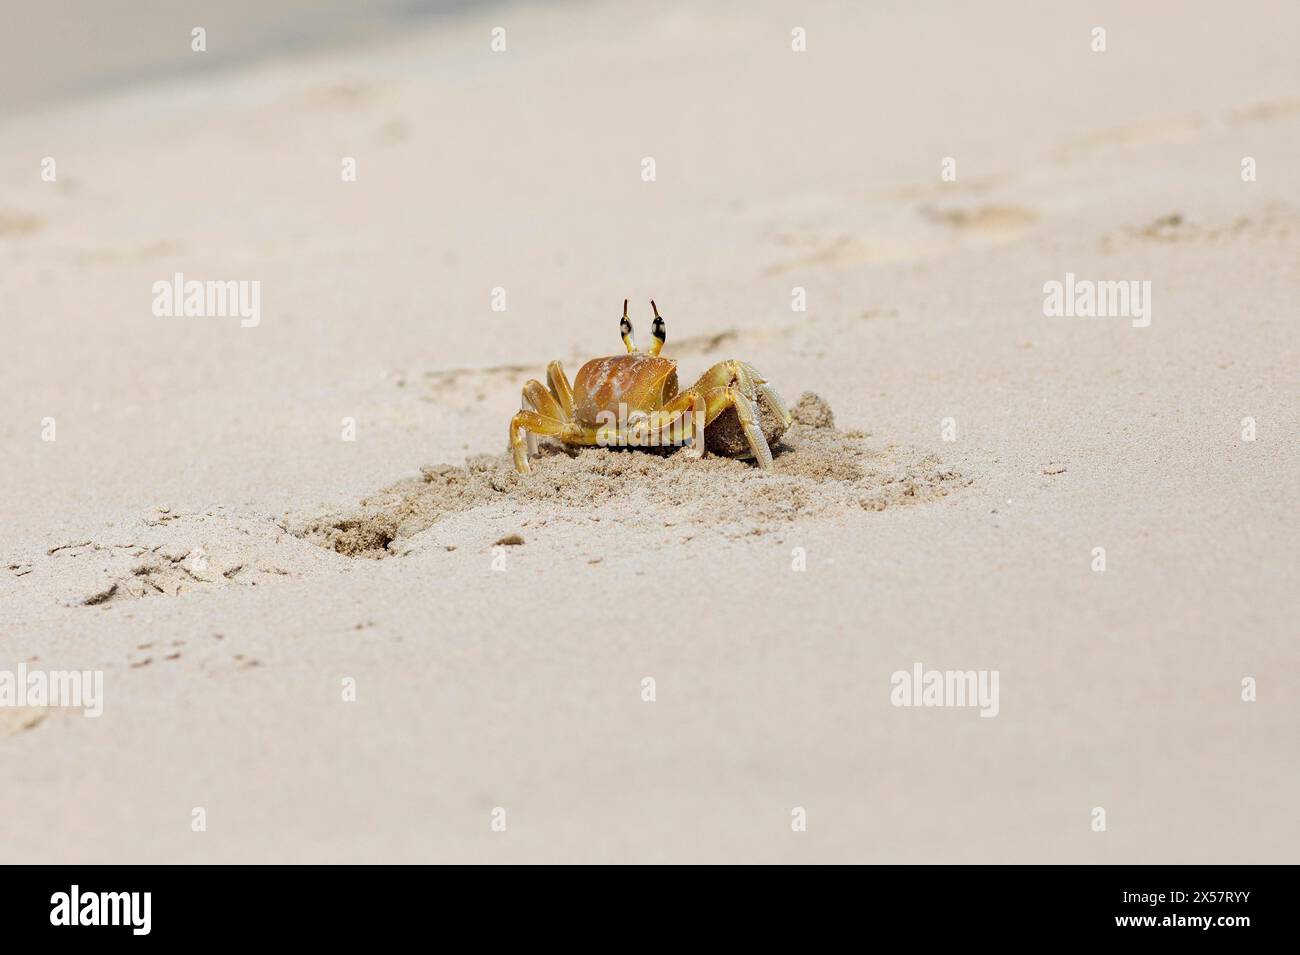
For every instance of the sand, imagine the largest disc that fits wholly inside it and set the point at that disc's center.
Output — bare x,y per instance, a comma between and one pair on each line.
817,470
241,526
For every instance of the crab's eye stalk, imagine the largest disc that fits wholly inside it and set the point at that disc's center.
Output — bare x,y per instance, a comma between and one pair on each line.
659,329
625,329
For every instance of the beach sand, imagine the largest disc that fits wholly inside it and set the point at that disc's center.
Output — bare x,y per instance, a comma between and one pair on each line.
237,524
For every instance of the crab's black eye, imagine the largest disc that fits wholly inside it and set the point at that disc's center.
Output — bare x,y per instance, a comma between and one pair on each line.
658,329
625,329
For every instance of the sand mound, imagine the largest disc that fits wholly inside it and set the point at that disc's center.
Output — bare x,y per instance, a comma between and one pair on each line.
817,470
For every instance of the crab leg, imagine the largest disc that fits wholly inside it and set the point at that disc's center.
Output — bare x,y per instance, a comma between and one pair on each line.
719,400
668,425
767,391
560,388
728,384
537,398
715,401
522,427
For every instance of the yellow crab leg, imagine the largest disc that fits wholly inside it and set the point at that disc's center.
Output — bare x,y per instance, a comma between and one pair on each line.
767,391
537,398
560,388
525,424
716,401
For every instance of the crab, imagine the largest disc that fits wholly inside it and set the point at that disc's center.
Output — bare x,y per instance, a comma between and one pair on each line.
632,401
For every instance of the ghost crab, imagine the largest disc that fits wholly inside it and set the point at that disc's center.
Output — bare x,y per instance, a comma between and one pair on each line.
632,401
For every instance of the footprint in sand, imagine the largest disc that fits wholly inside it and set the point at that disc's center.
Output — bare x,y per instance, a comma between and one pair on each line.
1266,112
343,95
166,553
987,224
19,719
1273,221
1136,134
19,225
997,219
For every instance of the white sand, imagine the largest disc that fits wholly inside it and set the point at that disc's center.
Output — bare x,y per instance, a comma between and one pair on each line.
224,639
